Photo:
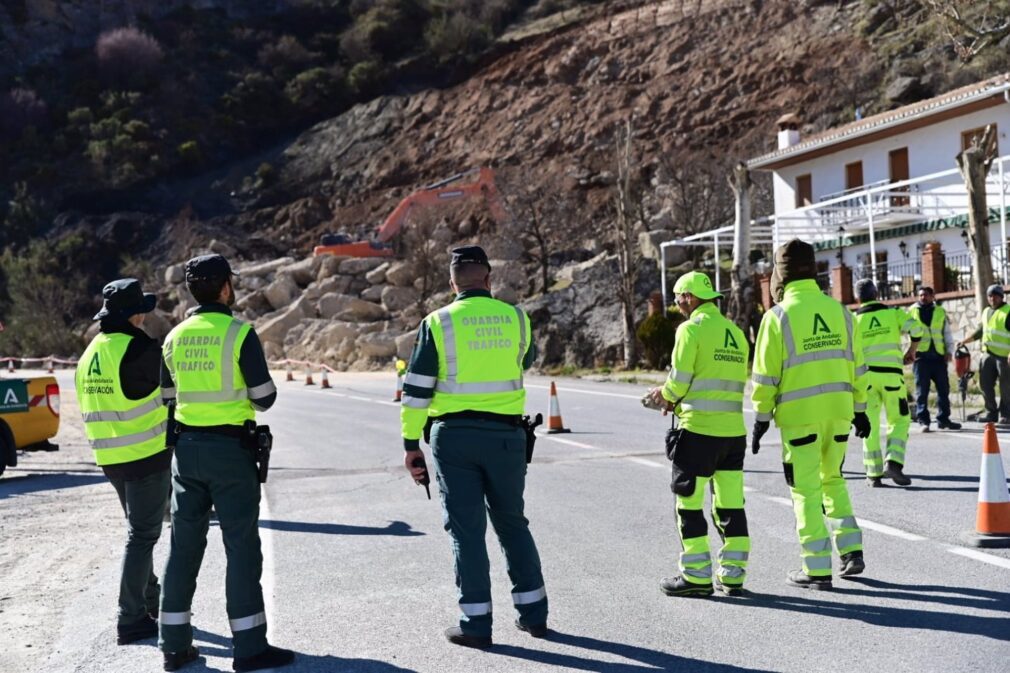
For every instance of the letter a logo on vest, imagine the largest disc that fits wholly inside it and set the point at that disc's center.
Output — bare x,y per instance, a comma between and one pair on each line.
95,367
729,341
874,323
820,325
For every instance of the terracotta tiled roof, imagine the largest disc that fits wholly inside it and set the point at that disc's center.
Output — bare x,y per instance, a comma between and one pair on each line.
965,94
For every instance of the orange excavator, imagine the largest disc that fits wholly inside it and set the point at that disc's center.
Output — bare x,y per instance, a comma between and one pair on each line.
438,193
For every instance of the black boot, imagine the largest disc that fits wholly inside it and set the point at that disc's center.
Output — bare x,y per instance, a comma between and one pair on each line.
874,482
678,586
145,627
455,635
272,657
798,578
176,660
535,630
852,564
893,471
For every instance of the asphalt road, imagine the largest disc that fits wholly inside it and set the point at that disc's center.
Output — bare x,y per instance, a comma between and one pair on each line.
359,571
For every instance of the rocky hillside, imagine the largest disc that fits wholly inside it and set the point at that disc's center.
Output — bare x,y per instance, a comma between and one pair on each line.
698,82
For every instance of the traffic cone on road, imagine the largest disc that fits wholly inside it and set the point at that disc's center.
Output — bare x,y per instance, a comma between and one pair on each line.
308,375
398,396
49,366
290,375
10,366
554,423
992,521
325,383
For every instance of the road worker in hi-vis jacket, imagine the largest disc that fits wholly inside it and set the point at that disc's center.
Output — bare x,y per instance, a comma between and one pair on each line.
810,377
465,383
880,328
705,390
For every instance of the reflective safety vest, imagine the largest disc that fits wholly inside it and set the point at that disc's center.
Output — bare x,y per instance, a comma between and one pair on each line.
202,354
995,338
708,374
933,332
120,430
808,361
481,345
880,331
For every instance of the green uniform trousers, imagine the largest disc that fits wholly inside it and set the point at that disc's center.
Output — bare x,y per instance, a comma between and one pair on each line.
812,457
481,471
214,470
143,502
698,461
888,391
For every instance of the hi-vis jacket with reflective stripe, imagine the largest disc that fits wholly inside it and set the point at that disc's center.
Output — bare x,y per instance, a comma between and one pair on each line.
880,328
936,333
119,429
808,360
708,373
469,355
202,356
995,338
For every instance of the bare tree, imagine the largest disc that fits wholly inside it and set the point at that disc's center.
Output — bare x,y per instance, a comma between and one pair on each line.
974,163
972,26
741,304
536,209
425,242
629,221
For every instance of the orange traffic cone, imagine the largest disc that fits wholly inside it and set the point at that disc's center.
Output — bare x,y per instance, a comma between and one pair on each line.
308,375
992,522
290,375
49,367
325,383
398,396
554,422
10,365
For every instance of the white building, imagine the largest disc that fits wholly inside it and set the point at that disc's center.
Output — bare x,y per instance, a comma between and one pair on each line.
884,186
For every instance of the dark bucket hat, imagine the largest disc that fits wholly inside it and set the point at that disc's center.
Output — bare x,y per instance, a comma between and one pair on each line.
124,298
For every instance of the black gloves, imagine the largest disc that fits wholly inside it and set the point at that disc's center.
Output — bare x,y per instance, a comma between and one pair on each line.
861,422
760,428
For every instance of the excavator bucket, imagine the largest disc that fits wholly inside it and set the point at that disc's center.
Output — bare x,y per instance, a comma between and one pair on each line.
357,249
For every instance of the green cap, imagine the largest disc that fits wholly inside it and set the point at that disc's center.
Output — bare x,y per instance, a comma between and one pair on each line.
696,283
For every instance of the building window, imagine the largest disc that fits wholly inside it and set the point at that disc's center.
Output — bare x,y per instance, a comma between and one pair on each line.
968,136
804,191
898,164
853,175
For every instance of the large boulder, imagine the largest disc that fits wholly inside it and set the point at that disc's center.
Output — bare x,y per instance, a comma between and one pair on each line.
400,274
359,266
346,307
281,292
329,265
508,279
373,293
276,328
157,324
255,303
377,276
649,243
175,274
398,298
405,345
380,345
264,268
337,284
305,271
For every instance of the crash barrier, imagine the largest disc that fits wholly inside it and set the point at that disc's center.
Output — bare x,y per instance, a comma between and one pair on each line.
49,363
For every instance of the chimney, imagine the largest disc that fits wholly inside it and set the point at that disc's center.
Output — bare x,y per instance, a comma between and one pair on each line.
789,130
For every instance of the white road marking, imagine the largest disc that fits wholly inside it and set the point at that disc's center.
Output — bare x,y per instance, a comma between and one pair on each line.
569,442
644,461
782,501
586,392
980,556
888,530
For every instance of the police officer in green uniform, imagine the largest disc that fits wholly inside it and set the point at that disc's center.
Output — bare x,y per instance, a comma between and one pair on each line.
119,392
465,378
705,389
994,368
215,372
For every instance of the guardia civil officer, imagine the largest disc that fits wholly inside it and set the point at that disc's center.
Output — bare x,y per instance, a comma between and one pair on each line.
705,388
216,373
810,377
119,392
465,378
995,368
880,328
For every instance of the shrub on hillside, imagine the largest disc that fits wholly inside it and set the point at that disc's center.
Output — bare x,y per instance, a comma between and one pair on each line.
128,57
285,56
257,100
455,35
657,334
365,77
20,109
388,29
316,89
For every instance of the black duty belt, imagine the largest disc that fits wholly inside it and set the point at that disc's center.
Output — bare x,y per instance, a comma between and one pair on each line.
480,416
235,431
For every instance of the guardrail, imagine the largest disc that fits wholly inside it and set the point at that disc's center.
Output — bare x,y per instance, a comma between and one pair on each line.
50,362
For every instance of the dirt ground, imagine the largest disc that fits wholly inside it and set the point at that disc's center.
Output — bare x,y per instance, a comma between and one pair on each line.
61,536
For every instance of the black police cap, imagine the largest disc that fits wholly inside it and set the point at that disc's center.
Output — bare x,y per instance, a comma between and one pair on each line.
208,267
469,254
124,298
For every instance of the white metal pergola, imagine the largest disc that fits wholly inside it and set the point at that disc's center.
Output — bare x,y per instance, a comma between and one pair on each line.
866,210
